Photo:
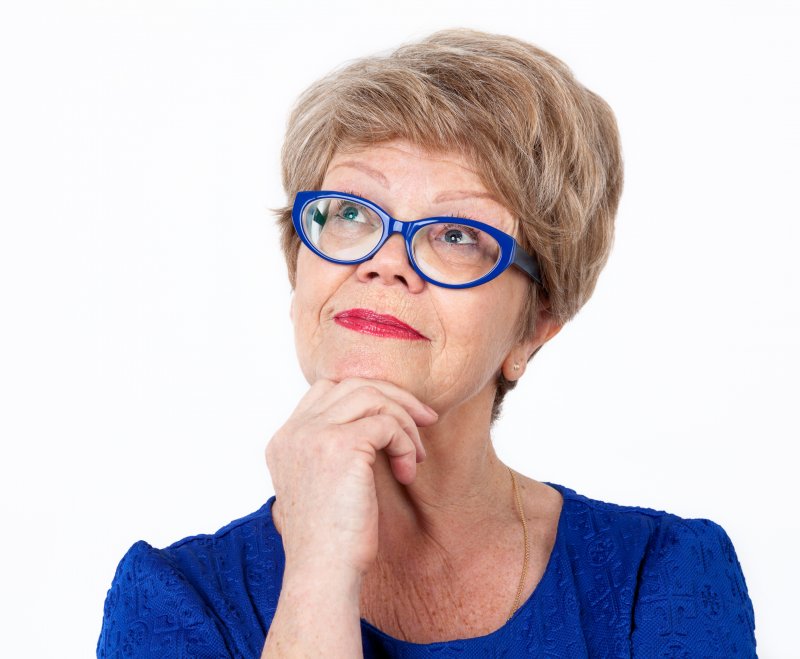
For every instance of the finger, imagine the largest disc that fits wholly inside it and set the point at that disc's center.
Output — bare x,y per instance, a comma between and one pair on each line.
384,433
369,401
421,413
316,392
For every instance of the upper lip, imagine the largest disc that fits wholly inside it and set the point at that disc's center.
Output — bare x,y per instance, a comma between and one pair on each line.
375,317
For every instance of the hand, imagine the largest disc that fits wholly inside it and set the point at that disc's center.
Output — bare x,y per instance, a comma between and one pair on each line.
321,463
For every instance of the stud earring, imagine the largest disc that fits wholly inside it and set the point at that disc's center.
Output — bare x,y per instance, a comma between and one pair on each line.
516,367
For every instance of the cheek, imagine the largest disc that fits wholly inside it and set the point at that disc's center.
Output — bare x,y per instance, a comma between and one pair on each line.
316,283
477,322
307,301
313,279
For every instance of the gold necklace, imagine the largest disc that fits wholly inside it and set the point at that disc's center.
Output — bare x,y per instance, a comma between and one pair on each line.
525,539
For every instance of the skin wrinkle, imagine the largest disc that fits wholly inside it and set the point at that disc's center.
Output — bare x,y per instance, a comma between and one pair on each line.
422,593
439,592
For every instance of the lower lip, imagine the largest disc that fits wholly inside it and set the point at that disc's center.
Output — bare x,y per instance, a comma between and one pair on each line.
377,329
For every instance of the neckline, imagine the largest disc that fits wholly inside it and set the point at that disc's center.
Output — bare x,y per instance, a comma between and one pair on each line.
547,575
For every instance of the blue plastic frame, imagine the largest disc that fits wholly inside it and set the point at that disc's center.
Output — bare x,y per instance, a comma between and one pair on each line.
511,253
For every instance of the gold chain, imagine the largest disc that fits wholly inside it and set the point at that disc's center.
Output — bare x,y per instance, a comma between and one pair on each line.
525,537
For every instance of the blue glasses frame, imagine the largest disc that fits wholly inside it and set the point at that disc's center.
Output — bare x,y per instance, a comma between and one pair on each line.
511,253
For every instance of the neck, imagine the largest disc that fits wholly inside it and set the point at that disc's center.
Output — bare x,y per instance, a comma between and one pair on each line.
461,489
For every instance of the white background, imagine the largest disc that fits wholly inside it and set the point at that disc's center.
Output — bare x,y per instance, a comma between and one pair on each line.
146,354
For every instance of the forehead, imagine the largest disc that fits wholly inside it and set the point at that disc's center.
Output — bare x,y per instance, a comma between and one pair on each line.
393,162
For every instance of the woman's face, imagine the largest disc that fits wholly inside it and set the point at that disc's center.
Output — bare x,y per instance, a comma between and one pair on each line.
468,333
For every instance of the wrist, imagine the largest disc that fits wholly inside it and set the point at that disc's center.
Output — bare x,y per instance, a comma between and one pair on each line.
334,578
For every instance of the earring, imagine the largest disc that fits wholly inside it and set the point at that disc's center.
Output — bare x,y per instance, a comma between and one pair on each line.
516,367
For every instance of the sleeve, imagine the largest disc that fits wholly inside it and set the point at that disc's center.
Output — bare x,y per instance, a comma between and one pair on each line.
151,610
692,598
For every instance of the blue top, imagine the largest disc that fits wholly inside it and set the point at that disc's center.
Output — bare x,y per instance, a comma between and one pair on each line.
621,581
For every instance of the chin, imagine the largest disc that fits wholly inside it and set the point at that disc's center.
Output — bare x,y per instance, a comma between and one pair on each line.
363,364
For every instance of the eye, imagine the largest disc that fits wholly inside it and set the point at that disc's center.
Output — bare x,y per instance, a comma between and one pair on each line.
458,235
350,213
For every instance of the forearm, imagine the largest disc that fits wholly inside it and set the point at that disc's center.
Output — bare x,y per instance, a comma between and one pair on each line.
318,615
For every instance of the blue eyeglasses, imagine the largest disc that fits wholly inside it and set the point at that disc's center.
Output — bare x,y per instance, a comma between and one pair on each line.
343,228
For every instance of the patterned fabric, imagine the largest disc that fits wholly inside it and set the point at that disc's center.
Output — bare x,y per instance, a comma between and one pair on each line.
622,581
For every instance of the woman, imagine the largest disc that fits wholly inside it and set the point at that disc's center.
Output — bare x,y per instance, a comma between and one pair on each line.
451,207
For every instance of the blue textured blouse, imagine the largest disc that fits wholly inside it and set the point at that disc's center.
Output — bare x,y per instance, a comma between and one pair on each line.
621,581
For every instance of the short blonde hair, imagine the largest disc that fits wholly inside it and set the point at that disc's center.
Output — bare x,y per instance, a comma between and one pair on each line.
542,143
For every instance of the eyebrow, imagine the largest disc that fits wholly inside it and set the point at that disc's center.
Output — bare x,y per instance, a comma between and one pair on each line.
455,195
369,171
450,195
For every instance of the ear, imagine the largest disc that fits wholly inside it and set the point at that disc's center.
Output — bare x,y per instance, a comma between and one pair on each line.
291,308
517,359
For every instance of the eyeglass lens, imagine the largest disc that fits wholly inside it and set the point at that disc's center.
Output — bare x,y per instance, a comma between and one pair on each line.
445,251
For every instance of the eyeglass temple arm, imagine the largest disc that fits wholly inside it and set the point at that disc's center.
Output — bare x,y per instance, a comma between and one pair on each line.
526,262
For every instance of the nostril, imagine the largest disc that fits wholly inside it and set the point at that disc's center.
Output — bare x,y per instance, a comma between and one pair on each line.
377,275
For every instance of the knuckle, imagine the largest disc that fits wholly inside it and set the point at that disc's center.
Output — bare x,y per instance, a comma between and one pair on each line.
411,431
381,421
271,460
369,391
325,384
327,442
273,449
351,382
391,425
270,448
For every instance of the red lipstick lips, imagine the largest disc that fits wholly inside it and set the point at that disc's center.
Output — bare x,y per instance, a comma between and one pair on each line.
375,324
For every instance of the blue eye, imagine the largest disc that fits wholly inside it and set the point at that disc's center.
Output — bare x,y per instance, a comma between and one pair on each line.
350,213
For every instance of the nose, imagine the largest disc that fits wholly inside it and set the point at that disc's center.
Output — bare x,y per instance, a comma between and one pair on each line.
391,265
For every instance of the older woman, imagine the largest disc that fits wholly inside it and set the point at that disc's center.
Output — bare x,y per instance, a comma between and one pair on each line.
451,207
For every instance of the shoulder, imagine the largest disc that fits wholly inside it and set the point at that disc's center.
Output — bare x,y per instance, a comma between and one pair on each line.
693,594
688,595
247,536
679,578
151,607
206,593
655,527
664,538
601,523
243,557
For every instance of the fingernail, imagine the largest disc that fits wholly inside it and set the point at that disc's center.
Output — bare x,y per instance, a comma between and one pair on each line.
431,410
